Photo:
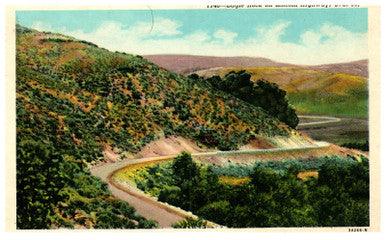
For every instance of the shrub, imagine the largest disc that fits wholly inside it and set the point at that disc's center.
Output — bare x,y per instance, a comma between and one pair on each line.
191,223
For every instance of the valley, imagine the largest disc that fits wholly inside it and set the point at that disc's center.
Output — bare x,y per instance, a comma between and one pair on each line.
111,140
346,130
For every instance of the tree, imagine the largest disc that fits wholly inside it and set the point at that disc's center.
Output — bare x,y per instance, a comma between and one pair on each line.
184,168
38,181
216,211
273,99
261,94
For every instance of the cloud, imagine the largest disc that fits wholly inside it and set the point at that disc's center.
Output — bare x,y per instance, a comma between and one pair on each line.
42,26
198,36
334,44
160,27
226,36
274,32
327,44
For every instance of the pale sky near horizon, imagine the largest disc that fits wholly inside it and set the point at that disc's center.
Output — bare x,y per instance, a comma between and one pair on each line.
299,36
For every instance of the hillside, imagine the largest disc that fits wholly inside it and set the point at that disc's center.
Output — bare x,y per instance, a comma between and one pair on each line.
358,68
74,100
187,64
311,90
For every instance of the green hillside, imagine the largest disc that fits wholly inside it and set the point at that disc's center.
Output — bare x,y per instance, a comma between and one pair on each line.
312,91
74,99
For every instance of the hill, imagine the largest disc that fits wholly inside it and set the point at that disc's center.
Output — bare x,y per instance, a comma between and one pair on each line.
187,64
74,100
358,68
313,91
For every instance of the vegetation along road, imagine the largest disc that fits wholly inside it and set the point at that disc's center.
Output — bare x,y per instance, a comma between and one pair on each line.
148,206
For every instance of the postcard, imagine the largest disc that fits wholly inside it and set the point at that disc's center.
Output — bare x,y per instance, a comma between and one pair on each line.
236,117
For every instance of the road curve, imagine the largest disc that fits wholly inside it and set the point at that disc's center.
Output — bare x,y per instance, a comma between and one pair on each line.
147,209
148,206
320,120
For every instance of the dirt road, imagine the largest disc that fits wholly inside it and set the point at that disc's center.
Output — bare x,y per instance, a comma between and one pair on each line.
147,206
335,130
310,120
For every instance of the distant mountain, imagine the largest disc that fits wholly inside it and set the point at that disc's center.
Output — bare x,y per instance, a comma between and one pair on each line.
186,64
358,68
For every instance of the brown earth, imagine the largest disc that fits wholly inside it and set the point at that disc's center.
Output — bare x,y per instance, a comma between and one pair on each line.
170,146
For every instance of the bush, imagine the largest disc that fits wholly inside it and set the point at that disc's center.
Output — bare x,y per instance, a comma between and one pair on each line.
364,146
263,94
216,210
274,197
190,223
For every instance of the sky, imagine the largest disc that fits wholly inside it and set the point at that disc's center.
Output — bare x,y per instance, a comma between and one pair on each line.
299,36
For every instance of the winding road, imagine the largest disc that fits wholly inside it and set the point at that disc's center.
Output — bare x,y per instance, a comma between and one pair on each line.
320,120
165,214
148,206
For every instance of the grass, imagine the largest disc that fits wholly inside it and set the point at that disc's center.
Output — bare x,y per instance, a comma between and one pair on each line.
237,181
234,181
315,91
130,173
307,174
351,105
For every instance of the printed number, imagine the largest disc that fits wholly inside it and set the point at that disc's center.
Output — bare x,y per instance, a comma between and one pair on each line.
357,229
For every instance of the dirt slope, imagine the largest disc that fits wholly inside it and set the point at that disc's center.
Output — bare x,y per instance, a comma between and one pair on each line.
169,146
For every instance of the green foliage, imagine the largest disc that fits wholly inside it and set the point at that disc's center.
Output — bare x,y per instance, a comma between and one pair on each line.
184,168
261,93
280,167
74,98
346,194
191,223
353,104
274,197
38,181
219,210
363,146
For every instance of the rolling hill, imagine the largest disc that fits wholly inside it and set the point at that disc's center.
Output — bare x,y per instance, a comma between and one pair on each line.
297,79
187,64
75,99
312,91
358,68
